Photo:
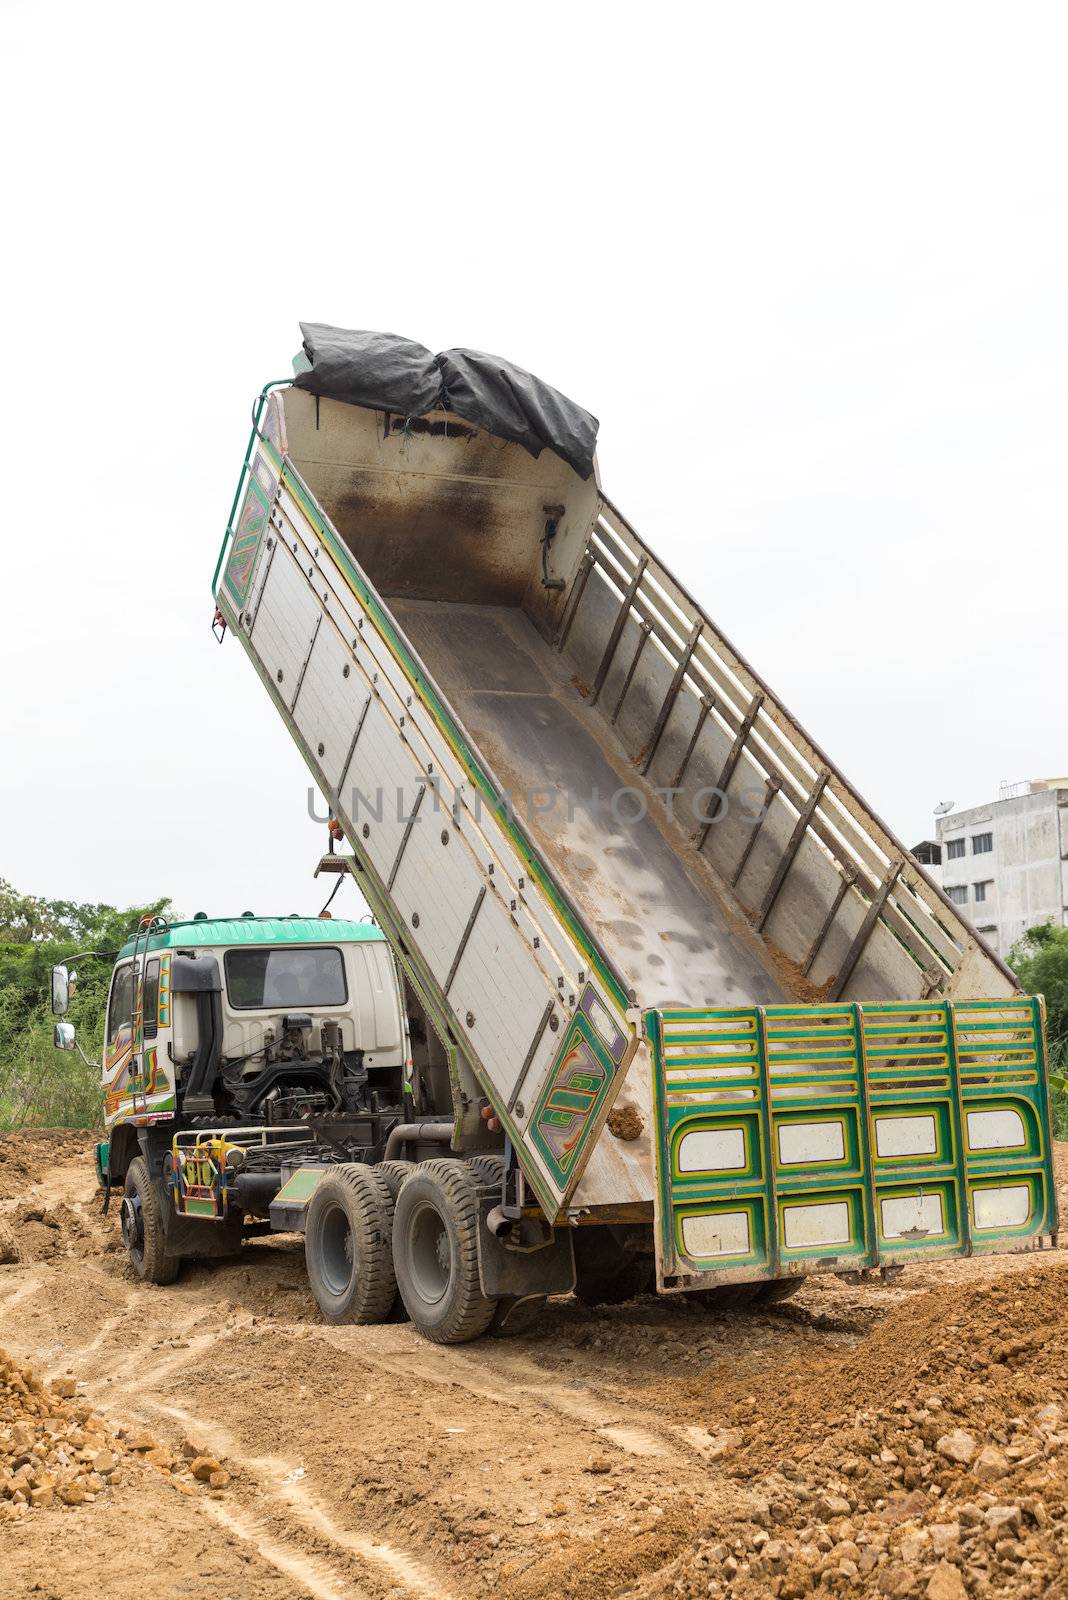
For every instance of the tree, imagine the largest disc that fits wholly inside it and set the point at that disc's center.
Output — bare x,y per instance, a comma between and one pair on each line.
1040,961
39,1084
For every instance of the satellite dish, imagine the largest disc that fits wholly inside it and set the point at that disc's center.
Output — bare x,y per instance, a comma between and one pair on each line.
943,807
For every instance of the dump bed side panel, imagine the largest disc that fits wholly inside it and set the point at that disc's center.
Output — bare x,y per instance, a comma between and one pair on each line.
531,1000
839,906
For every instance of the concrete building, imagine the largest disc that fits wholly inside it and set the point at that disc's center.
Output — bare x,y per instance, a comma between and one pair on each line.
1006,864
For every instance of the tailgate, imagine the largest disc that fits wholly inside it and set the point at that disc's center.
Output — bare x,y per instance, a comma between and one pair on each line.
794,1139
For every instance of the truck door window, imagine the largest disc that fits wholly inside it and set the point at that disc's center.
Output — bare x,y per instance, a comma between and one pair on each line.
119,1008
290,977
150,1001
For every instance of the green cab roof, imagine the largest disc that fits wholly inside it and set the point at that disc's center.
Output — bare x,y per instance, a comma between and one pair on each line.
257,930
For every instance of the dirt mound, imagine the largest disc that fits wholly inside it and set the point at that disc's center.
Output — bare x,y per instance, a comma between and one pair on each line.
27,1156
35,1232
929,1460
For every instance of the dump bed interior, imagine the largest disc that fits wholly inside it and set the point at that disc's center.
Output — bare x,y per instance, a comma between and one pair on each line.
647,899
711,847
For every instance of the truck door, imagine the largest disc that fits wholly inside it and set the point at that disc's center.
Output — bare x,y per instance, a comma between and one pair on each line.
118,1039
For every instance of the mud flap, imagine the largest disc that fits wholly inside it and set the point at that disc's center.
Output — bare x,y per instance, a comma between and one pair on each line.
503,1272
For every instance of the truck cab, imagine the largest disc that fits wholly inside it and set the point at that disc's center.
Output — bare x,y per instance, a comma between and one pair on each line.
278,1022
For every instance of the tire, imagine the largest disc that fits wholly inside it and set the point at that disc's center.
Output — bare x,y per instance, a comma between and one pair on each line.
776,1289
141,1219
347,1246
729,1296
605,1275
488,1169
393,1174
435,1250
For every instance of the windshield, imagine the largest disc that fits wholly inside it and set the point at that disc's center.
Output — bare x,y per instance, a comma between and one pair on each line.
291,977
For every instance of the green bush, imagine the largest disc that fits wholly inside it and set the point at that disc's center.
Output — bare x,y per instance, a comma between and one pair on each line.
1040,961
39,1085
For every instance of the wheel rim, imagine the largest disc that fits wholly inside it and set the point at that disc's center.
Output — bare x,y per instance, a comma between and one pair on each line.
429,1254
336,1252
132,1222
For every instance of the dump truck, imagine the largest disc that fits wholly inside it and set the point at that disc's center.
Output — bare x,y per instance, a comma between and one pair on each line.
691,1018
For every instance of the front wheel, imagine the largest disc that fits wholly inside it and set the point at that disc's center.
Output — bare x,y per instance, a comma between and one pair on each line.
141,1220
435,1252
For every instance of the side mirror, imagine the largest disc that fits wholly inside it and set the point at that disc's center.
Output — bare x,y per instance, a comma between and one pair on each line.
60,991
63,1036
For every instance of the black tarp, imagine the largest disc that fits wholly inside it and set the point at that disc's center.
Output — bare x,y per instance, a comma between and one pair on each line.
387,373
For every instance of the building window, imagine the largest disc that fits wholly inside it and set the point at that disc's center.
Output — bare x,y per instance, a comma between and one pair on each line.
958,894
954,849
982,843
983,889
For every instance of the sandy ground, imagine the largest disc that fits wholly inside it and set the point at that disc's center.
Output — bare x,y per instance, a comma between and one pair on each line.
655,1449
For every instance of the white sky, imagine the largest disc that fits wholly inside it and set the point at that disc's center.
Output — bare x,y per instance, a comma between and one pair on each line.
806,263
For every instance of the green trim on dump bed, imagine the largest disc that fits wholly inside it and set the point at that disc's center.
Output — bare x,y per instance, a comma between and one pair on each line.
257,930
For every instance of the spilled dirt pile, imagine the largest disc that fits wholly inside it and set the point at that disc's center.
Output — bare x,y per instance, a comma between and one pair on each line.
929,1460
36,1232
56,1450
27,1156
52,1446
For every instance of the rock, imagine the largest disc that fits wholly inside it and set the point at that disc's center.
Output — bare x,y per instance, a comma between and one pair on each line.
160,1457
957,1446
72,1494
946,1583
42,1496
775,1553
832,1505
1003,1519
945,1536
990,1463
64,1388
912,1547
104,1463
598,1464
139,1440
203,1467
220,1479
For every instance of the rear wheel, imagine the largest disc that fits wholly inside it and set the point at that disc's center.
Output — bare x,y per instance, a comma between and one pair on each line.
393,1174
141,1219
776,1289
729,1296
347,1246
435,1252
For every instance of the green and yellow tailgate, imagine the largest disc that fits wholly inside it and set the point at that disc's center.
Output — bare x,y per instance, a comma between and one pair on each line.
833,1137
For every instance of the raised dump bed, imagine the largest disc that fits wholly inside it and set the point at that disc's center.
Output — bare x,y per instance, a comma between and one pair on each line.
595,837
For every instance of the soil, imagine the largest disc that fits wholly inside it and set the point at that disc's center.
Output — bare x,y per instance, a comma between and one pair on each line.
902,1438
